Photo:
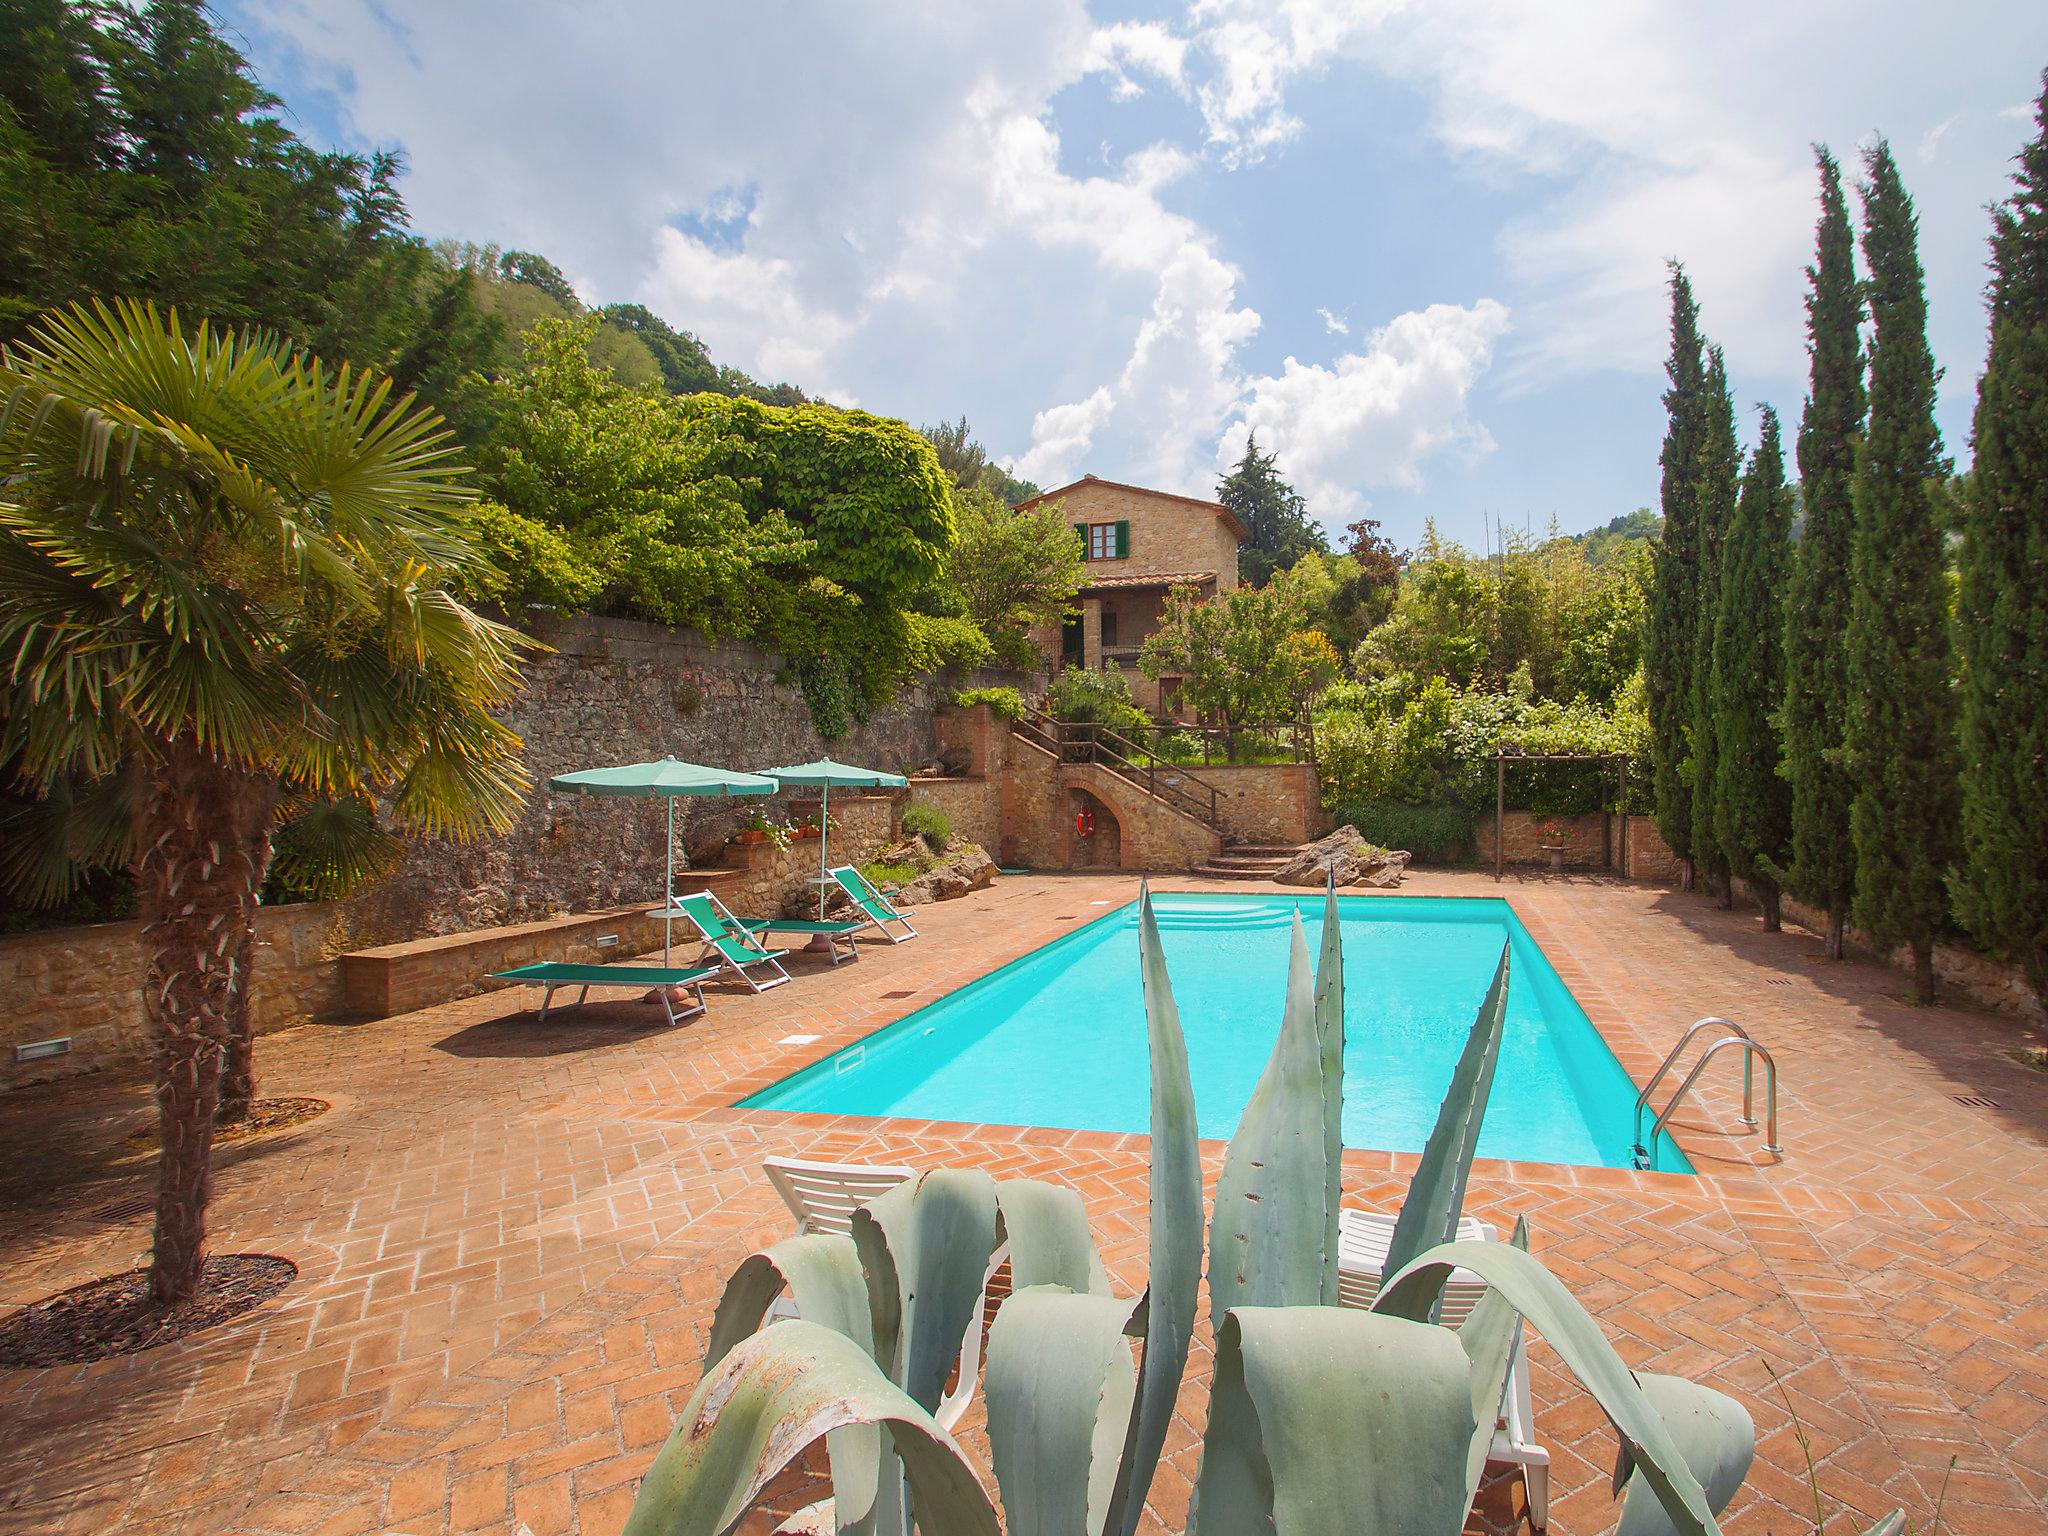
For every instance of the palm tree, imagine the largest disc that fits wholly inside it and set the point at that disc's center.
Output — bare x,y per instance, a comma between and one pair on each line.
224,571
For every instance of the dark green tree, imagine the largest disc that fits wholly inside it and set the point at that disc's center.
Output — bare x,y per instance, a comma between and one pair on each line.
2002,895
1720,472
1674,597
686,367
1752,801
1276,518
1823,858
1902,706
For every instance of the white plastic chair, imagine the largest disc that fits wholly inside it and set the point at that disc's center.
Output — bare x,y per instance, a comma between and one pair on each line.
823,1198
1363,1238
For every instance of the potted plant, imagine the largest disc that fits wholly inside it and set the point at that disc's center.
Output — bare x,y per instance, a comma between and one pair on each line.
757,828
1555,838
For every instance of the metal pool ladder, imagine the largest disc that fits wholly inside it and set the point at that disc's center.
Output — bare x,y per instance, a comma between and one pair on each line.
1735,1035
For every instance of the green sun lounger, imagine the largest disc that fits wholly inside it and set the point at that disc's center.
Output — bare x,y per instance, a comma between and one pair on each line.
872,902
550,974
740,952
838,936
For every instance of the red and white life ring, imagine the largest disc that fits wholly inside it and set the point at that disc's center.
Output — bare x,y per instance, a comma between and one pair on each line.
1084,822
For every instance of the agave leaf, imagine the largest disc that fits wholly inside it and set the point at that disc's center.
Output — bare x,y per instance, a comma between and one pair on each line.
1324,1421
1540,1297
1712,1431
1436,1195
771,1397
1059,1387
926,1246
1268,1232
1330,1034
1046,1227
1489,1337
1893,1524
1176,1234
822,1274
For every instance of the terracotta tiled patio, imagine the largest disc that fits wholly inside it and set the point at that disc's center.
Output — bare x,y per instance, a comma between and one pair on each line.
509,1239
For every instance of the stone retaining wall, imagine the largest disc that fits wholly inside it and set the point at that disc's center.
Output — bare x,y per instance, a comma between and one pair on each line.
86,983
972,805
621,691
1268,803
1585,838
767,876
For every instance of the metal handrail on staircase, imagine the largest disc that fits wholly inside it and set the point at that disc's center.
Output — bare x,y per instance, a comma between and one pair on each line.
1737,1036
1131,761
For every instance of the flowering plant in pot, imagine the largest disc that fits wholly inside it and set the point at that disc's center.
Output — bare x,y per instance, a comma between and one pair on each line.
1555,838
757,828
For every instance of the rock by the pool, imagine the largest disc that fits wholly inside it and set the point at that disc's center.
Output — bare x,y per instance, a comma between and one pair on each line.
1355,861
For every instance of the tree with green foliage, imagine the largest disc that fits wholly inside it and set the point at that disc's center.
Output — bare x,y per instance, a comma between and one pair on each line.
608,497
1016,571
1902,712
1714,515
224,571
1822,868
2002,611
1232,649
686,367
1279,529
1752,801
968,465
1674,600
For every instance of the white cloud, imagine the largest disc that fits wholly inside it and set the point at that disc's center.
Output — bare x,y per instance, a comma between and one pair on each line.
1930,141
1060,436
1378,416
1127,49
1333,323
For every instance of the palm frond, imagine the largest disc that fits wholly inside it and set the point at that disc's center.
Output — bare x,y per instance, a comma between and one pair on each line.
466,780
325,849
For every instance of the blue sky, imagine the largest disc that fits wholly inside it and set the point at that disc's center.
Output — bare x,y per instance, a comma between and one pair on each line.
1417,247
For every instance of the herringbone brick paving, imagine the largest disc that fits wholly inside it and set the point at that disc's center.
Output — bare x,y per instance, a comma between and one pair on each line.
510,1240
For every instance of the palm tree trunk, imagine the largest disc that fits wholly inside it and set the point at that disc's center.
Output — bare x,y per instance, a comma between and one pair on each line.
238,1069
198,887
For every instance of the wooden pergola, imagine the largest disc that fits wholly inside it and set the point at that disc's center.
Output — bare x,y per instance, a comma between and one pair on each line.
1500,795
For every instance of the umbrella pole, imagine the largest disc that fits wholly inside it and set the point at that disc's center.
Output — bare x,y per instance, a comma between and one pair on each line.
668,885
824,827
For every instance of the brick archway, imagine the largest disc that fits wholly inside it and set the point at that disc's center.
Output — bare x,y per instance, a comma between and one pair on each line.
1104,848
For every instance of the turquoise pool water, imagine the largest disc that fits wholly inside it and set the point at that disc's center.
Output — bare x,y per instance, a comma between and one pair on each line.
1057,1038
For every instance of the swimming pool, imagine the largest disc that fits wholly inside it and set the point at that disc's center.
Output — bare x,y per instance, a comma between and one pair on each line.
1057,1038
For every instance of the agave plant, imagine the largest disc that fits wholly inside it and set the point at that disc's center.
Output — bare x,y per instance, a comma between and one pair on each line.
1322,1420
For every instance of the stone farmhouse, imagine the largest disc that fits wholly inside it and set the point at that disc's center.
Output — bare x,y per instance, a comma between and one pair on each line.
1139,544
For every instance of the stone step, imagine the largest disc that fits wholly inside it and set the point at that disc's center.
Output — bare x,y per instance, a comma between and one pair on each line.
1216,871
1262,850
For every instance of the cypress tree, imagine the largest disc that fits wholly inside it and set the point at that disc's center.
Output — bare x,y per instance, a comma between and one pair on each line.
1668,645
2002,896
1902,715
1752,801
1823,863
1720,473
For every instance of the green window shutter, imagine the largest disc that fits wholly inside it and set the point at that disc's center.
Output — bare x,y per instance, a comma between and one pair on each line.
1123,540
1081,530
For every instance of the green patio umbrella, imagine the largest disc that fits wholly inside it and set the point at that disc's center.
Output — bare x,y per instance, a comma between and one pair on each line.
825,775
668,778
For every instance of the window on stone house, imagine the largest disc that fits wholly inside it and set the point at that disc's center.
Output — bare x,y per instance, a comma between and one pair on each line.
1105,541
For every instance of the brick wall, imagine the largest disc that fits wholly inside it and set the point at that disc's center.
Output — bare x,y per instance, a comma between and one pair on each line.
1649,856
85,982
1523,834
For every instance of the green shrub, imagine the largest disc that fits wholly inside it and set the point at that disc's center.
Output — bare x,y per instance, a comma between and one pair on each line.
887,877
1100,697
929,823
1434,834
1006,702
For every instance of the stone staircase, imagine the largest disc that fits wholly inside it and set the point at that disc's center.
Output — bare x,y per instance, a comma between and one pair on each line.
1248,861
